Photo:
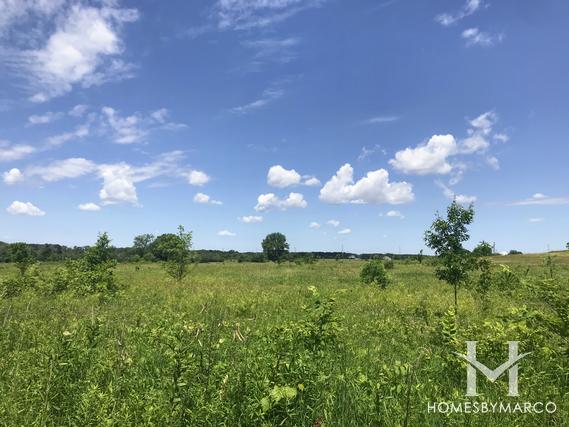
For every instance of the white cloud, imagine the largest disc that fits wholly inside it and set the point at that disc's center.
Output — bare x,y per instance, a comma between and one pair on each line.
275,50
90,207
281,177
13,176
10,152
366,152
451,195
269,95
312,181
380,119
45,118
61,169
82,50
493,162
250,219
246,14
470,7
205,199
542,199
475,37
24,208
373,188
536,220
314,225
79,110
267,202
80,132
502,137
160,115
198,178
333,222
429,158
126,130
394,214
226,233
118,184
345,231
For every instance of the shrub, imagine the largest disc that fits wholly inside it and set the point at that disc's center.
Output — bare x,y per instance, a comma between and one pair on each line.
374,272
388,263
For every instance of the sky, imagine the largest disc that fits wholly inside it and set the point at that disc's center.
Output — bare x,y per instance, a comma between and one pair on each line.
345,125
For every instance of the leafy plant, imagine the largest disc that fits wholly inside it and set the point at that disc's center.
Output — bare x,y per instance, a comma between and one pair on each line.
373,272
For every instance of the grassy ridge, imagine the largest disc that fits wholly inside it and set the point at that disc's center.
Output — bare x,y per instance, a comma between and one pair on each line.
251,344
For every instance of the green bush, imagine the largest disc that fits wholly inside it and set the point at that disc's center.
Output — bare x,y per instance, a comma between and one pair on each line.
374,272
388,264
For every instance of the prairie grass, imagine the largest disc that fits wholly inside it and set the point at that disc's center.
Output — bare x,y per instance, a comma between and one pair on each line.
266,344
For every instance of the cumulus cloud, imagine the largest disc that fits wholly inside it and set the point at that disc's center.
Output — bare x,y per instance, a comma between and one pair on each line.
429,158
333,222
373,188
394,214
126,130
281,177
78,110
542,199
89,207
246,14
205,199
451,195
314,225
226,233
83,48
267,202
12,176
118,184
24,208
198,178
250,219
345,231
536,220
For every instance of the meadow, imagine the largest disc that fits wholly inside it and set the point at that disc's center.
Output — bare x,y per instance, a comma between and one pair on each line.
266,344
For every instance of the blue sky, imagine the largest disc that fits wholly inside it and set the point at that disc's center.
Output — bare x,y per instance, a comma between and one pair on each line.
339,123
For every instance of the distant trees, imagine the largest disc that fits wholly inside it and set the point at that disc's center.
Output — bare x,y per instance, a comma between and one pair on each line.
483,249
275,246
567,246
142,245
515,252
445,237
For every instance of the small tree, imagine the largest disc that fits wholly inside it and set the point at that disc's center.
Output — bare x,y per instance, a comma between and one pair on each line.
374,272
567,246
445,237
99,254
420,256
22,256
483,249
178,254
275,247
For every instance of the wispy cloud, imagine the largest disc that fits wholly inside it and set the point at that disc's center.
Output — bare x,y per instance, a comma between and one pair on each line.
542,199
268,96
475,37
380,119
470,7
272,50
246,14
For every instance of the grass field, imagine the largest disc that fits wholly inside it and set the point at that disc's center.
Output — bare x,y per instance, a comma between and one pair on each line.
266,344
